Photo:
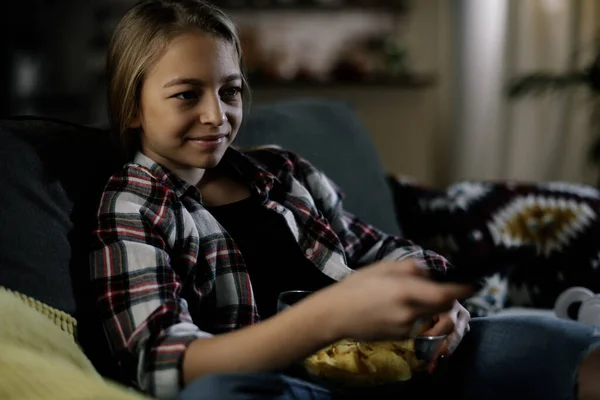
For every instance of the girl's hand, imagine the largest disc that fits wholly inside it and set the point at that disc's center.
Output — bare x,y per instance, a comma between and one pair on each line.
384,301
455,324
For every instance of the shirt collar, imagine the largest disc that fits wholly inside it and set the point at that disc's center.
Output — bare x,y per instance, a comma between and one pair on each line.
251,172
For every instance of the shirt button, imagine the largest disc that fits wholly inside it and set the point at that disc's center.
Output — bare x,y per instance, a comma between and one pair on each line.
280,208
309,252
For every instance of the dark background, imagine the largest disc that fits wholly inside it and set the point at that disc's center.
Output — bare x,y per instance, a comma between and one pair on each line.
54,50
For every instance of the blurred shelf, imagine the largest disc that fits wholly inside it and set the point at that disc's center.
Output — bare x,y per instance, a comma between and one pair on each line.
278,5
401,82
249,6
307,9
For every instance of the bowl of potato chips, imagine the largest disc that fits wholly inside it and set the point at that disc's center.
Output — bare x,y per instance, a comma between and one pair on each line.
363,363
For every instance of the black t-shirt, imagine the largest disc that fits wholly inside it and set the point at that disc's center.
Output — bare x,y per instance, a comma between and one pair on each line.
274,259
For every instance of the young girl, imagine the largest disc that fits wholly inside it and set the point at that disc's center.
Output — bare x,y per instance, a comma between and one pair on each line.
195,239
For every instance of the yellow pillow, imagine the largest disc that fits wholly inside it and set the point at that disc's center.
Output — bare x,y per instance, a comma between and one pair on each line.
39,358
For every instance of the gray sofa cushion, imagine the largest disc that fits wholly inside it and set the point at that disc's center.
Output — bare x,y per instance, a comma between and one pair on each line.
329,134
51,175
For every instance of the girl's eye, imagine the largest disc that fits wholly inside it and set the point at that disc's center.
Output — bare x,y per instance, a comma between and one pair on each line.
232,91
187,95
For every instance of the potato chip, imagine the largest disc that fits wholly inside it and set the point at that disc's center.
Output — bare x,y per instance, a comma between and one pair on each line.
365,363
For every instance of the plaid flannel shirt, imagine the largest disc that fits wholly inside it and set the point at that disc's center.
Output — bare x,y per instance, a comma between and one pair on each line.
166,273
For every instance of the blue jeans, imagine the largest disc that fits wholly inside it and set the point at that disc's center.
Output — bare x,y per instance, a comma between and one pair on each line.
523,357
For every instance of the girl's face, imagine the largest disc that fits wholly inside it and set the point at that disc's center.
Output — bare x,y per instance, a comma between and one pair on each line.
191,103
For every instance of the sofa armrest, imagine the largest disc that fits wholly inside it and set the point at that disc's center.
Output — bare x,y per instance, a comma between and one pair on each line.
515,311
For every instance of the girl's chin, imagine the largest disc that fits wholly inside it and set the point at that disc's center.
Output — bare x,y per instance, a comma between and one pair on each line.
205,161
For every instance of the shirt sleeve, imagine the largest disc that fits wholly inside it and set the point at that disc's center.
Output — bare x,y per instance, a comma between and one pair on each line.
138,293
363,243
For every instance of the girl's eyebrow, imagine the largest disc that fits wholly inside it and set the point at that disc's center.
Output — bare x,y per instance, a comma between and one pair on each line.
199,82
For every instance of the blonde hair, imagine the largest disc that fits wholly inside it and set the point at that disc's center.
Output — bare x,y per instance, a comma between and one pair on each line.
138,41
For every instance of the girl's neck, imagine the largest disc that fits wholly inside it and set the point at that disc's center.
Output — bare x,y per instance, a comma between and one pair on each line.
193,176
218,187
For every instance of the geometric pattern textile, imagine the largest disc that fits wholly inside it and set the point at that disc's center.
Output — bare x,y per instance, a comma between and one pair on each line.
543,237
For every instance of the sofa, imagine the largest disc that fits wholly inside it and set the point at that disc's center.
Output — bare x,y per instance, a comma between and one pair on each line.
52,174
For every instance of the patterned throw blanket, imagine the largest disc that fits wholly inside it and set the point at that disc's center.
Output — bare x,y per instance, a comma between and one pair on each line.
543,236
40,358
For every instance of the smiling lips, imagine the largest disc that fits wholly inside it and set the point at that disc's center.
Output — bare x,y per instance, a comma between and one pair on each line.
210,141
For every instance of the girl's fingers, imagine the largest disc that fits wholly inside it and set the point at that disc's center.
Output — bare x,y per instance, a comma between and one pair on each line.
441,352
444,326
